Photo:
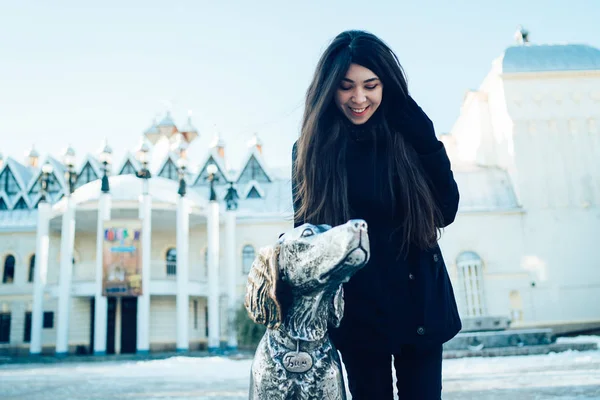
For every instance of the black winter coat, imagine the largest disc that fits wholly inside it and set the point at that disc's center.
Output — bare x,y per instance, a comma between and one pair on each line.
394,300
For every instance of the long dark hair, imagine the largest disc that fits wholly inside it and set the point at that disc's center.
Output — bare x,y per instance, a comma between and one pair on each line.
320,170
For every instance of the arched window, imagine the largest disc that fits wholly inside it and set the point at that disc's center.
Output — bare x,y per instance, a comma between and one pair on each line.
31,269
9,269
248,255
470,276
171,257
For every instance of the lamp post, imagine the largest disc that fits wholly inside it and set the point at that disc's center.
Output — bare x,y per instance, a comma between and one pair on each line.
47,170
41,262
69,163
182,163
142,156
106,159
212,177
104,206
145,214
67,242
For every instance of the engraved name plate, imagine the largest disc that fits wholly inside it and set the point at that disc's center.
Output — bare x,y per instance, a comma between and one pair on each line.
297,361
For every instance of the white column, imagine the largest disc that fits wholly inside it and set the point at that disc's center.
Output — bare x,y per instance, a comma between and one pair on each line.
214,337
41,271
100,303
67,242
183,297
143,302
231,279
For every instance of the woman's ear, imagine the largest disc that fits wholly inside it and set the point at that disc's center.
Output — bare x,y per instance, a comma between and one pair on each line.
261,290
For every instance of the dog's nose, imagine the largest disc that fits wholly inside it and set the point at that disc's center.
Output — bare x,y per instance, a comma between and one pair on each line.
358,225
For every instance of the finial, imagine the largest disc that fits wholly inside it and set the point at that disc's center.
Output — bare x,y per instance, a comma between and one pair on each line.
522,35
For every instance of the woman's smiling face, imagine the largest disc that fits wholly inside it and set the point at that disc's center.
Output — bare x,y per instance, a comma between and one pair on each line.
359,94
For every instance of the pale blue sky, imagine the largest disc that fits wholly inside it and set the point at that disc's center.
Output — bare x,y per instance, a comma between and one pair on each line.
73,73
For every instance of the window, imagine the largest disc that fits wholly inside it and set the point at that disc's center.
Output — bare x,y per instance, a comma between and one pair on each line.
169,171
253,194
8,183
248,255
4,327
3,205
87,175
48,319
31,276
21,205
470,276
127,169
195,314
27,331
9,269
253,172
171,258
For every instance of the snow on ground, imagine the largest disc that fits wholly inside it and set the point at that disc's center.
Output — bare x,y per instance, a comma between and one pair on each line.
568,375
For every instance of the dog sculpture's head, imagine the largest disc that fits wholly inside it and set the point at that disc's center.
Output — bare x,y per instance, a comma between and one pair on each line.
306,261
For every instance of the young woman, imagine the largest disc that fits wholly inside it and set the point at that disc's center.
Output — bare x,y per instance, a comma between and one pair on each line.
368,151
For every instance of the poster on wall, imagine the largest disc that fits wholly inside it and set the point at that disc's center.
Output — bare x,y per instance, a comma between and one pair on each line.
122,258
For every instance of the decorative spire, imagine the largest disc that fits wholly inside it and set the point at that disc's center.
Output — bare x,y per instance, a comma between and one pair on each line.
256,142
152,133
166,126
218,144
190,133
32,156
522,35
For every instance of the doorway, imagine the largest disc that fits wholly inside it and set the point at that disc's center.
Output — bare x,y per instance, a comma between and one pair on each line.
128,324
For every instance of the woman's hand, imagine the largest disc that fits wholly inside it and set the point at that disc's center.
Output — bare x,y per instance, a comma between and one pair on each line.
416,127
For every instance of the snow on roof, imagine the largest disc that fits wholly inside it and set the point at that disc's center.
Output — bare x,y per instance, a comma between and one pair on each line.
485,189
21,173
549,58
129,188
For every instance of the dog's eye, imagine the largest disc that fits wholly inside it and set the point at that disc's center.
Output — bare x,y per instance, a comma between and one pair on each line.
307,232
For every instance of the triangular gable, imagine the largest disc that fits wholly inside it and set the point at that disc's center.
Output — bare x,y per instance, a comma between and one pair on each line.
253,191
21,204
213,158
88,173
9,184
21,173
129,165
253,194
254,169
169,169
56,183
3,205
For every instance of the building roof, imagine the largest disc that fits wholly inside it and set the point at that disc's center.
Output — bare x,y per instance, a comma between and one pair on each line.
550,58
167,120
129,188
485,189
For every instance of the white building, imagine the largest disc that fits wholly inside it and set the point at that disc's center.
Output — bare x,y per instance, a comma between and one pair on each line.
525,151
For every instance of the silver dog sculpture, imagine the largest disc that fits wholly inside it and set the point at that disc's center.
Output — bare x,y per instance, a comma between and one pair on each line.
295,289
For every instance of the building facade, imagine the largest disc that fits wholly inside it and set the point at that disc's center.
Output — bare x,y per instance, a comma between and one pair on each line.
525,152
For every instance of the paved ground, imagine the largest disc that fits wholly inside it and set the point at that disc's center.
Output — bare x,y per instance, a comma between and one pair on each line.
569,375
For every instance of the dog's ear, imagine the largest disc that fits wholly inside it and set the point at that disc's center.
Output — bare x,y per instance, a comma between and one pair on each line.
261,290
336,308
